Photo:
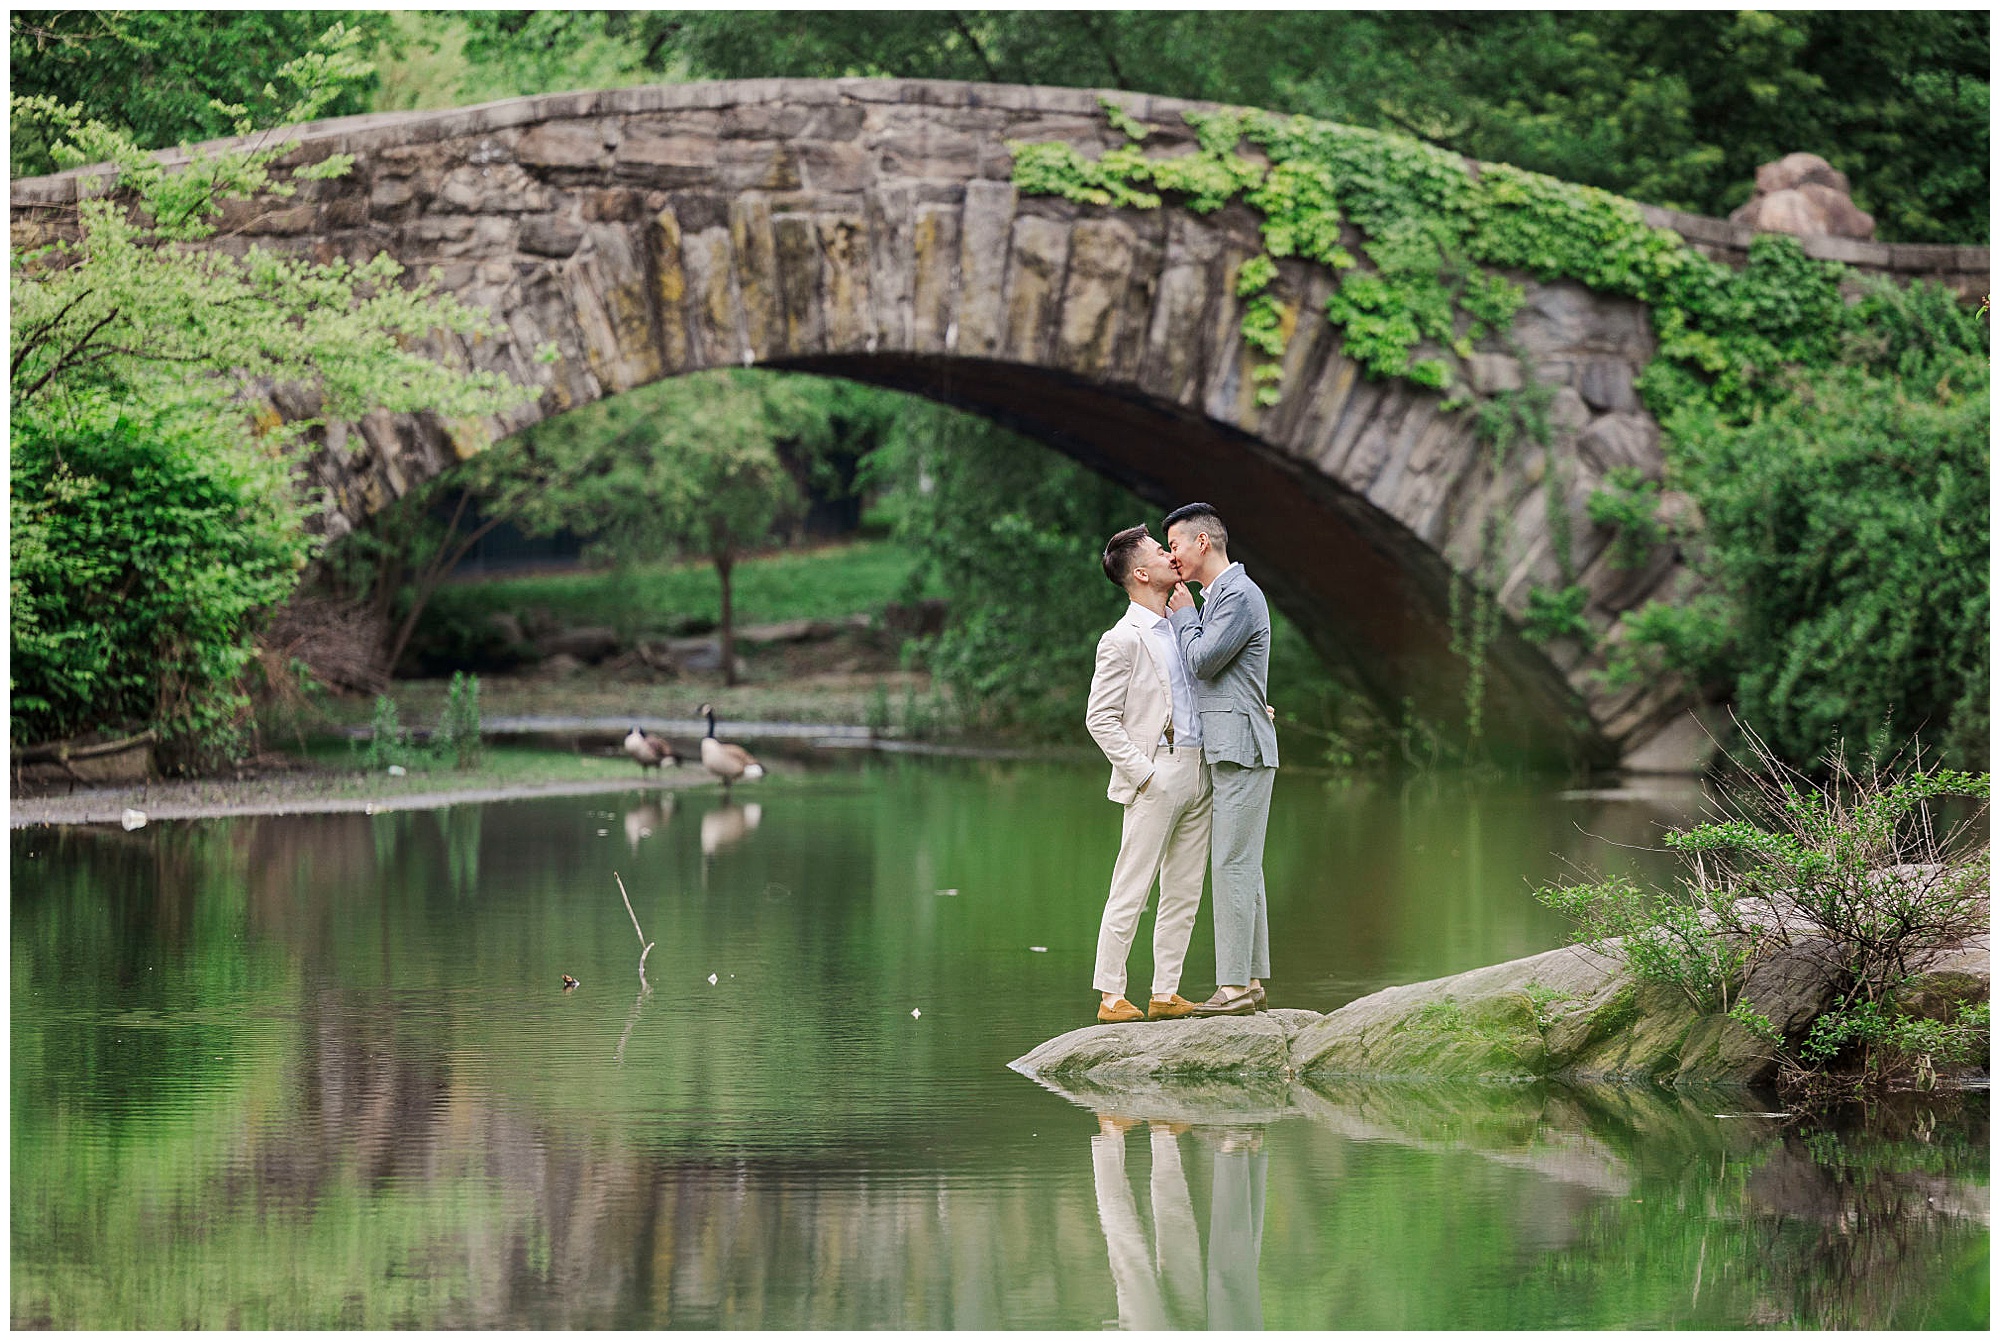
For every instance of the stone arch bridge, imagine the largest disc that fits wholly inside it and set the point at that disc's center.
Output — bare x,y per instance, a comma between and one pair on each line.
868,229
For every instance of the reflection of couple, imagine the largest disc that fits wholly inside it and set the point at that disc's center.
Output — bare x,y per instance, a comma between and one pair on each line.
1178,706
1164,1288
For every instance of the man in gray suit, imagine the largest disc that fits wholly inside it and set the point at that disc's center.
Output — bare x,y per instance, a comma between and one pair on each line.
1227,645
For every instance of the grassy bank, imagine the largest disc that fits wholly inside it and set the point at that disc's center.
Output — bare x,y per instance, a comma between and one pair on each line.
855,677
661,600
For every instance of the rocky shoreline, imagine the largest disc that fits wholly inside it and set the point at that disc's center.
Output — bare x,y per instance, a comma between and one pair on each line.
1567,1015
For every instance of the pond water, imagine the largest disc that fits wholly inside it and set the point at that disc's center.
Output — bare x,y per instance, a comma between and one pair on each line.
320,1072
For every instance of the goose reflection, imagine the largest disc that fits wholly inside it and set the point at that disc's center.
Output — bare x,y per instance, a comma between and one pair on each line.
726,825
1167,1287
646,820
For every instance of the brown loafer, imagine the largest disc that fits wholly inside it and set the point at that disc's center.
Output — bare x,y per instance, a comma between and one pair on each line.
1119,1011
1240,1002
1174,1007
1257,991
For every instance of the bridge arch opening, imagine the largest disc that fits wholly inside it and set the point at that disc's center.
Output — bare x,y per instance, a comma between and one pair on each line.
1373,601
871,229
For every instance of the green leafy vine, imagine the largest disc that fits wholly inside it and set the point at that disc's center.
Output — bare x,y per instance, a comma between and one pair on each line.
1434,235
1426,251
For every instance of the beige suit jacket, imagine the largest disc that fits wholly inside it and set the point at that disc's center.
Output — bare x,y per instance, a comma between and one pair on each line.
1131,703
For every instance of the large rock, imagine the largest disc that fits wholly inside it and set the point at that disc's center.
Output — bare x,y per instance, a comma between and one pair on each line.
1804,195
1231,1045
1571,1014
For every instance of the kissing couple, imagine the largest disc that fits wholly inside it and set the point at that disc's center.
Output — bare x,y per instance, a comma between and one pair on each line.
1178,704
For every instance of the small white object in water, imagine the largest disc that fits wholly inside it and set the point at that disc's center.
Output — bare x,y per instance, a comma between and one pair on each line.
1039,949
133,819
711,980
947,893
602,832
916,1014
397,771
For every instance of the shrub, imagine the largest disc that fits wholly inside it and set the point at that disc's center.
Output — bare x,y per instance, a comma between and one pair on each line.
1628,504
388,740
982,507
1557,614
1847,536
1664,936
141,548
457,737
1858,865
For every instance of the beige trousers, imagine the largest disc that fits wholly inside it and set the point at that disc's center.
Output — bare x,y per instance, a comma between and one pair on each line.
1165,838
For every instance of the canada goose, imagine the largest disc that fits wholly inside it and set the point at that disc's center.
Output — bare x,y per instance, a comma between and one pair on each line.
648,819
727,825
649,750
731,763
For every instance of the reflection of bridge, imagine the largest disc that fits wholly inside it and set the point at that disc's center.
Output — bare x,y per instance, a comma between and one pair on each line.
868,229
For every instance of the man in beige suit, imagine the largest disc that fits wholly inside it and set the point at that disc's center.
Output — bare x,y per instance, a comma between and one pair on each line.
1142,715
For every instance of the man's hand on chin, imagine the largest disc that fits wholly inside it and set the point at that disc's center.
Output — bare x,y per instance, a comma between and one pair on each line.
1178,598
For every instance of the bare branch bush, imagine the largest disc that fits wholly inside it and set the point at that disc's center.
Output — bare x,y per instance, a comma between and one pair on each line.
1883,868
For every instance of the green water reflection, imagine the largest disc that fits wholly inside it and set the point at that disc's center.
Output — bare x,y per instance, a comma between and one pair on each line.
317,1072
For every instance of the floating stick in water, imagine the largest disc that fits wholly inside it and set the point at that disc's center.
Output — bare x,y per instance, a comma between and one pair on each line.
646,944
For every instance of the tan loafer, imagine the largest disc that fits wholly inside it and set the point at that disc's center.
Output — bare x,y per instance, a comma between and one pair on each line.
1240,1002
1174,1007
1257,991
1119,1011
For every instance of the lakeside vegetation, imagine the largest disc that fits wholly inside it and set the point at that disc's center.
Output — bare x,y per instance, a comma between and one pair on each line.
1856,612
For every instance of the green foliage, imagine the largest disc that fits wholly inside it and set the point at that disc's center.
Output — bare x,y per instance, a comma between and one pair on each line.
1838,452
1674,107
120,308
1436,236
1664,936
1857,863
1011,534
1964,1039
168,77
140,556
1860,867
1847,536
1629,504
153,513
457,737
1758,1025
1557,614
389,742
709,465
1695,639
1545,999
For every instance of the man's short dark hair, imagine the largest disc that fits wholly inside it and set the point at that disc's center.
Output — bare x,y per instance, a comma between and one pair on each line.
1202,518
1120,551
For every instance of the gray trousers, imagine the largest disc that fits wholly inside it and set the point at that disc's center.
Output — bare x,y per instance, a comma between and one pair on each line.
1241,811
1236,1238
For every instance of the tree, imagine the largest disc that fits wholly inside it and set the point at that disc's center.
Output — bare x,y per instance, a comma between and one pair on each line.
696,466
1012,534
155,75
152,488
1846,531
1673,108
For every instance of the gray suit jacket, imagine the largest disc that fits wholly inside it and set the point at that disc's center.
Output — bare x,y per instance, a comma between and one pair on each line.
1227,645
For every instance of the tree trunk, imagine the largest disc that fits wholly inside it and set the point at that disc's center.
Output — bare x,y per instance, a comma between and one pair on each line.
426,580
726,633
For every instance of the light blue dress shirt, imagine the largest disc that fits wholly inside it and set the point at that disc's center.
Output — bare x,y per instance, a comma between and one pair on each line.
1159,631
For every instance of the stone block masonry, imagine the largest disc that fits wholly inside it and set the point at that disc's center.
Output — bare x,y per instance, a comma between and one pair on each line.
869,229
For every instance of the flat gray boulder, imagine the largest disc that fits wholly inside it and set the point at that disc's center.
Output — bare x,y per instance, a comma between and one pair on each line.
1570,1014
1235,1046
